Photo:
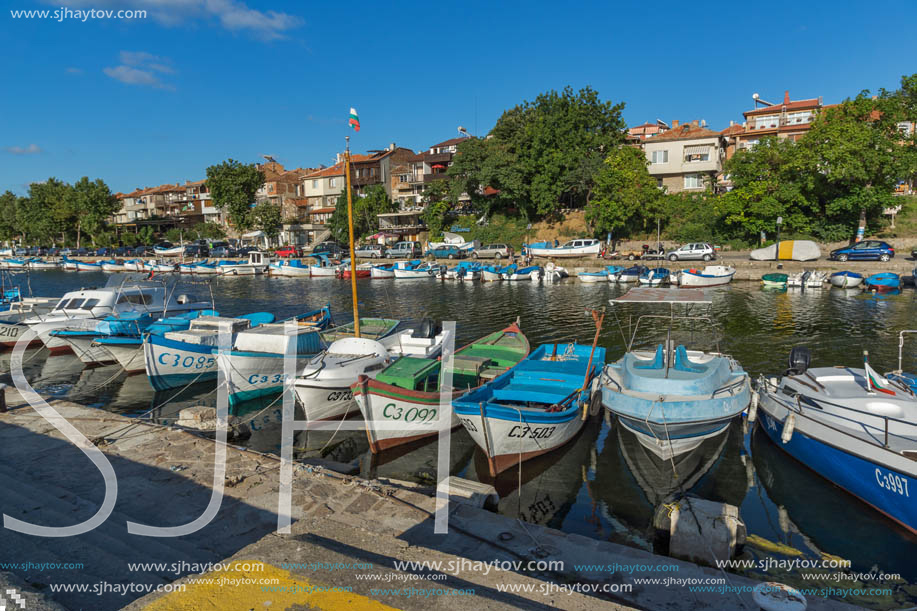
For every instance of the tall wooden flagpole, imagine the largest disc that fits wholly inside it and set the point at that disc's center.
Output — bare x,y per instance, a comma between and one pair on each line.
353,256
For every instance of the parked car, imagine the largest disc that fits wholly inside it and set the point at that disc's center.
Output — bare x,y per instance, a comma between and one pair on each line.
447,251
370,251
404,250
330,248
102,252
20,252
53,251
219,252
287,251
243,252
493,251
867,250
196,250
139,251
698,251
66,252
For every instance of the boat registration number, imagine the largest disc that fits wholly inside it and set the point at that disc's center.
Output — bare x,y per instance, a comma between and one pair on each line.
188,362
536,432
413,414
256,378
892,481
340,395
9,330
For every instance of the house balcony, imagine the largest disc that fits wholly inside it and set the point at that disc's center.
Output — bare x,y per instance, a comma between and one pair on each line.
428,178
443,158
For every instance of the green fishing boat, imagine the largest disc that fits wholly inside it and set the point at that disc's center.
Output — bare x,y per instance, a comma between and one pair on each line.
774,280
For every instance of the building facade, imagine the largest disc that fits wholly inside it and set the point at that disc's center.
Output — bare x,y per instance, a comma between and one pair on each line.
687,157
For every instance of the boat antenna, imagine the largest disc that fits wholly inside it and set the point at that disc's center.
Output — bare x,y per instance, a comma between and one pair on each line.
353,256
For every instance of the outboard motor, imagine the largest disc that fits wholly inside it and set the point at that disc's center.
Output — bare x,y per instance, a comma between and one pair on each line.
800,359
183,299
428,329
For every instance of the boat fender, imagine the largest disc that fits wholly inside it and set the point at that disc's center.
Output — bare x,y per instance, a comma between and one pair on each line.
693,270
595,403
753,407
789,425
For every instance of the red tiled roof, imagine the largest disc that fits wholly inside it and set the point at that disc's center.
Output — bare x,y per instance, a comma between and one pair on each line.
687,131
733,129
321,211
793,105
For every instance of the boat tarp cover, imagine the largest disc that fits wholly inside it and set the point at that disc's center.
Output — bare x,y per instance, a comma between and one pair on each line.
790,250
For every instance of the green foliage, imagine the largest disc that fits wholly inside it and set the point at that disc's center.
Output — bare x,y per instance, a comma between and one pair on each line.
45,213
8,226
176,235
542,155
232,187
146,235
625,194
208,231
90,205
366,207
436,215
268,218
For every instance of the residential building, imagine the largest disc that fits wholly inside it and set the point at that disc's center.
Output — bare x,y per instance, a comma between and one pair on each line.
639,133
685,158
791,119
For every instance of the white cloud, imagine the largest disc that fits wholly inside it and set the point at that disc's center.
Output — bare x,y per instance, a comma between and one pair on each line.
140,68
32,149
232,15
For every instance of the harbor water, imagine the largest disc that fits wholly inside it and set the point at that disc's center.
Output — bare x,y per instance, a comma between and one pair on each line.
604,484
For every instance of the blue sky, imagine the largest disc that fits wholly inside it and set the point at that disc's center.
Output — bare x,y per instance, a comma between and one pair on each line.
144,102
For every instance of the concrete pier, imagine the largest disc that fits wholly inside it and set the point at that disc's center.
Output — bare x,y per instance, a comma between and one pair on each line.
346,538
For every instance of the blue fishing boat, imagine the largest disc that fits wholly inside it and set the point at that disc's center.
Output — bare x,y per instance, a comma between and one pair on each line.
178,358
852,426
532,273
609,274
885,281
655,276
632,274
492,273
127,348
294,268
670,397
535,407
846,279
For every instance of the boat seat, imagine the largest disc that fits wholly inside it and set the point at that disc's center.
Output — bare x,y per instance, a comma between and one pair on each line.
550,377
658,362
491,373
469,365
529,393
682,363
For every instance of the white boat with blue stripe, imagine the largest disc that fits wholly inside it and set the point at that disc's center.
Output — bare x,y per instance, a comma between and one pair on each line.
673,398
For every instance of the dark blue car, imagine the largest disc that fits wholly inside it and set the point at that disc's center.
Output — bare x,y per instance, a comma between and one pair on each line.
867,250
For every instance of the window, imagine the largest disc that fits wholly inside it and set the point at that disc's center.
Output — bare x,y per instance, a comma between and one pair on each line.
332,182
695,154
906,128
372,171
660,157
89,304
138,299
315,183
659,182
767,121
694,181
804,116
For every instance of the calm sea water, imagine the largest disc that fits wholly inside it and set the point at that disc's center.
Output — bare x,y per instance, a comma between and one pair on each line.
604,484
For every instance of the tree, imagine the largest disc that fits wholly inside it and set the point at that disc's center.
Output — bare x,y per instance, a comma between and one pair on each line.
625,193
208,230
46,212
232,187
366,208
8,203
542,155
92,204
268,218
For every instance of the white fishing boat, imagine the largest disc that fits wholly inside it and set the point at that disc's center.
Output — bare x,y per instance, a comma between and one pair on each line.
159,267
325,267
711,275
382,271
423,270
290,268
846,279
323,386
112,266
133,265
17,312
122,294
179,358
165,249
454,239
39,264
256,265
553,272
88,266
531,273
574,248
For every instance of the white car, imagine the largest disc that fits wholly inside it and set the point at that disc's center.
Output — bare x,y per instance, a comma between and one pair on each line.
698,251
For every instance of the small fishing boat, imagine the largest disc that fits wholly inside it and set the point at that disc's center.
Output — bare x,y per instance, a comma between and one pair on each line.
774,280
186,268
671,398
68,264
133,265
40,264
16,263
711,275
168,250
632,274
112,265
532,273
291,268
655,277
593,277
88,266
159,267
178,358
81,340
464,271
382,271
363,270
127,350
323,386
583,247
885,281
492,273
256,265
255,365
324,266
408,390
536,407
422,270
205,268
852,426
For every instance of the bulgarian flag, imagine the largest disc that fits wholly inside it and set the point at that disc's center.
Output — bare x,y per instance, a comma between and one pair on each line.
354,120
873,380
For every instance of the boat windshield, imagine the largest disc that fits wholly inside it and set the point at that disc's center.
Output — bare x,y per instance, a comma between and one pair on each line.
667,324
